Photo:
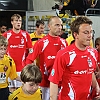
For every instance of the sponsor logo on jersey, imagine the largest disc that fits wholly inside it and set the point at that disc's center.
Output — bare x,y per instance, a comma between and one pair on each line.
17,46
51,57
56,44
52,72
83,56
80,72
89,71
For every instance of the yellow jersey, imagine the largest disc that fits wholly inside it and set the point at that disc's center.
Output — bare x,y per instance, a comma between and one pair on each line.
70,39
35,37
7,69
20,95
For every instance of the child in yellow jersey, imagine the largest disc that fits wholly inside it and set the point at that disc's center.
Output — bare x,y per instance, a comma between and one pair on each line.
31,77
7,69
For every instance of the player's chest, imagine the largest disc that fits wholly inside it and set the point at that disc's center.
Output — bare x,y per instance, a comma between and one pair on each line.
14,39
82,64
52,47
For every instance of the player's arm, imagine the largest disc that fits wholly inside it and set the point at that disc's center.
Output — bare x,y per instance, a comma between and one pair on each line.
97,72
35,53
53,91
17,78
95,85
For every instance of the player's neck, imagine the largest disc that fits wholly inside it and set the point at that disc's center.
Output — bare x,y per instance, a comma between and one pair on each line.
53,35
16,30
37,33
80,46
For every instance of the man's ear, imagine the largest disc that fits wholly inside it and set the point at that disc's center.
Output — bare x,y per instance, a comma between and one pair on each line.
75,35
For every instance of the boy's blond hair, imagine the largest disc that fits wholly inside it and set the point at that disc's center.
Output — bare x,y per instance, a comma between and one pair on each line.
3,41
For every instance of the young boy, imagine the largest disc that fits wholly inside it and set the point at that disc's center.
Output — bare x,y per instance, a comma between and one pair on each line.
7,69
31,77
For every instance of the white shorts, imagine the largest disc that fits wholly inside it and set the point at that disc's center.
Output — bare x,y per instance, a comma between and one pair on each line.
45,93
14,83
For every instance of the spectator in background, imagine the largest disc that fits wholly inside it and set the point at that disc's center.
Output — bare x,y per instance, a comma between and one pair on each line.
46,49
7,69
77,7
18,42
31,77
75,65
3,27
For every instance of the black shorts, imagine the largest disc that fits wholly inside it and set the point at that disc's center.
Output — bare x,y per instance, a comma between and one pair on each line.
4,93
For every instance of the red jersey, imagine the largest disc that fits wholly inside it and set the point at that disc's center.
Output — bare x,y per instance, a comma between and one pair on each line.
74,68
99,59
46,49
17,45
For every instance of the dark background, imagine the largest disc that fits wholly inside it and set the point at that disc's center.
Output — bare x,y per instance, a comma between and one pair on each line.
10,7
14,4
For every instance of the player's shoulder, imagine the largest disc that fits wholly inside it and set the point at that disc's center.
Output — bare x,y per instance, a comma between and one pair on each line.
23,31
67,49
32,34
89,48
14,95
8,57
7,32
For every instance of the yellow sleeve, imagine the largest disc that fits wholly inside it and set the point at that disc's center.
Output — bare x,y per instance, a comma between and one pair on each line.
13,73
91,43
15,94
69,39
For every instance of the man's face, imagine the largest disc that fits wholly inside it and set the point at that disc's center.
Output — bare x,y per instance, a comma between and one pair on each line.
55,27
3,29
40,29
85,34
16,23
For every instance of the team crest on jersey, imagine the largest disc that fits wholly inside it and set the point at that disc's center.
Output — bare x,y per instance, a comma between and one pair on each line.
52,72
89,62
22,41
5,68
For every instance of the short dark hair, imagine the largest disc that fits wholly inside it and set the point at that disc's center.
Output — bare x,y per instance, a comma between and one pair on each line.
2,23
31,73
77,22
97,41
39,22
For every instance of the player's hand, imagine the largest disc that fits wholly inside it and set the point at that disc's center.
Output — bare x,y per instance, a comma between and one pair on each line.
97,74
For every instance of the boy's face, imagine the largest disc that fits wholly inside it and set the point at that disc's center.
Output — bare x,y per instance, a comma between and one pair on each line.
2,51
30,87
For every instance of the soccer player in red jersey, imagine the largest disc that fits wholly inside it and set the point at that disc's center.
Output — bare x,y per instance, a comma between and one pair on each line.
97,72
75,65
46,49
18,42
